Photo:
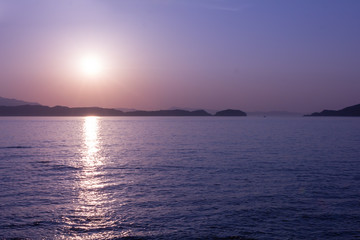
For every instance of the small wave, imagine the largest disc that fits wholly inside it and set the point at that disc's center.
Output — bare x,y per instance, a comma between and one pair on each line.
64,168
24,225
357,178
43,161
163,237
16,147
233,238
16,238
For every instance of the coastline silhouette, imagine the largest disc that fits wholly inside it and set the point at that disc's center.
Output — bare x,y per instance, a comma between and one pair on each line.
39,110
352,111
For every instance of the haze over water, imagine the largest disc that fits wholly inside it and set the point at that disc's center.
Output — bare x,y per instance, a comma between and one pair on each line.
179,178
252,55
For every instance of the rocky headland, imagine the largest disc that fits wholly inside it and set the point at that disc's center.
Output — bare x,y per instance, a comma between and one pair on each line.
352,111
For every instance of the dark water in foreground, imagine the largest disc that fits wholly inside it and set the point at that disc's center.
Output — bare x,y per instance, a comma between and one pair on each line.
180,178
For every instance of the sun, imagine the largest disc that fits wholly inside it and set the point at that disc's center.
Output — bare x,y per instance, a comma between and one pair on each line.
91,65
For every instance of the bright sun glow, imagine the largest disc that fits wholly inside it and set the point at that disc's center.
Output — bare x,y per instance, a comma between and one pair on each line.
92,66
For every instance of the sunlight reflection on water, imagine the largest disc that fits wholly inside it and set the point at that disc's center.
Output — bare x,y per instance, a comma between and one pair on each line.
92,208
91,177
91,139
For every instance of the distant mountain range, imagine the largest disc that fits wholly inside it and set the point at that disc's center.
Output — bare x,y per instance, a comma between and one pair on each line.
275,114
39,110
14,102
352,111
14,107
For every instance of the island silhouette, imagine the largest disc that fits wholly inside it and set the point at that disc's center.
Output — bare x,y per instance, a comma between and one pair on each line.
14,107
230,113
40,110
352,111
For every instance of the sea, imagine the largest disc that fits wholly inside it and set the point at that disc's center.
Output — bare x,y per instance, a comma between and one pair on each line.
244,178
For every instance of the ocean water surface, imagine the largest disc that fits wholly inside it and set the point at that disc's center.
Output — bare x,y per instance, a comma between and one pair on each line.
179,178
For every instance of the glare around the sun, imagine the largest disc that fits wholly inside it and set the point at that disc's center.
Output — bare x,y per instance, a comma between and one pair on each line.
92,66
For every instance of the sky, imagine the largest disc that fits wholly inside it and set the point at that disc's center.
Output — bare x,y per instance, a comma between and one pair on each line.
298,55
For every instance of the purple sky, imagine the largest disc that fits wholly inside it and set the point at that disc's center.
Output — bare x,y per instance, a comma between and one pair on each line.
251,55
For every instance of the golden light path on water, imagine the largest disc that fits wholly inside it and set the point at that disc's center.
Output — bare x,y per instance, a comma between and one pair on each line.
91,131
93,212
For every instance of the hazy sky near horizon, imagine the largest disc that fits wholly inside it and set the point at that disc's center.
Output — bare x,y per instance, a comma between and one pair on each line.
300,55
